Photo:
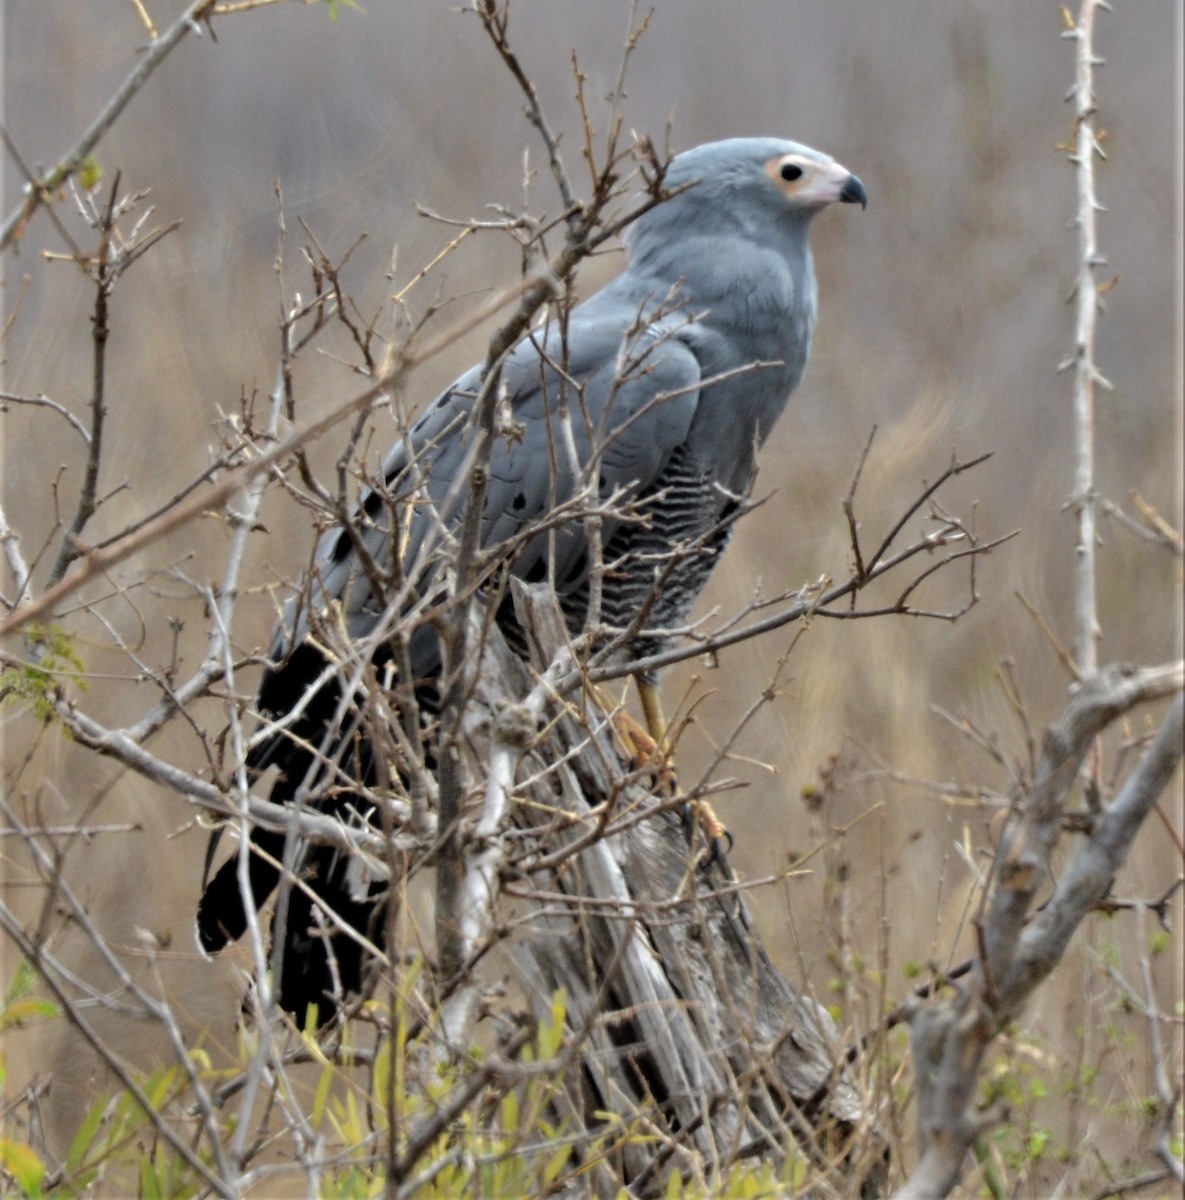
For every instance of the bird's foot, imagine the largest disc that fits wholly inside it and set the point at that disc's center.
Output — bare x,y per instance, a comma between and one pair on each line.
699,813
645,753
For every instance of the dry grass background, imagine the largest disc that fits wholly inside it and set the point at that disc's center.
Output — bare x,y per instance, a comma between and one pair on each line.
942,322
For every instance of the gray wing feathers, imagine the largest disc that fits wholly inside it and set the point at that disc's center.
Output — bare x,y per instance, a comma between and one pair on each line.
630,398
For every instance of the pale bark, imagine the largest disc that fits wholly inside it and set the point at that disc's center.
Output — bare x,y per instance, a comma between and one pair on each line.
685,1028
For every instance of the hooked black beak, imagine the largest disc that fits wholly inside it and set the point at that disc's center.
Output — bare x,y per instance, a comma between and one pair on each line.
854,192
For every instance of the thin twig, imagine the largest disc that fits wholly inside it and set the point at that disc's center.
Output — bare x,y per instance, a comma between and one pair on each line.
530,292
40,192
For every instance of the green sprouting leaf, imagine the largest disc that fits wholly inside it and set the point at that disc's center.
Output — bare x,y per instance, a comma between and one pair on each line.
550,1035
556,1163
35,681
348,1123
798,1172
310,1041
90,174
127,1117
335,7
201,1059
23,980
159,1084
510,1123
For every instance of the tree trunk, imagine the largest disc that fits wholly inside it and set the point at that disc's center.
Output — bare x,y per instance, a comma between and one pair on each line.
685,1029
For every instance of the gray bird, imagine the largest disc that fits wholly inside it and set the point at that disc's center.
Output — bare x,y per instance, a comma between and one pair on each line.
671,376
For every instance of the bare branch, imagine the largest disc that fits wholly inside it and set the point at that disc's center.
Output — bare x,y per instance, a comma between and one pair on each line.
531,292
1086,373
40,192
496,21
106,272
825,602
1088,877
45,402
10,540
950,1039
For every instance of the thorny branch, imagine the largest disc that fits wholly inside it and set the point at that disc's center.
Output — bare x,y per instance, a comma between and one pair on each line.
1019,944
1020,948
1085,147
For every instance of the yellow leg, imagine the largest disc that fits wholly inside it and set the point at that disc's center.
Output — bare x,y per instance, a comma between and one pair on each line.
656,725
656,722
649,746
640,743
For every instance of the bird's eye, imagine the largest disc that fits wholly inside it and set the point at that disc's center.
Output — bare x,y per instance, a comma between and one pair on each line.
790,172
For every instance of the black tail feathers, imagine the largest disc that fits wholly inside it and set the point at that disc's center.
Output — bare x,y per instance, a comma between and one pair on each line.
317,939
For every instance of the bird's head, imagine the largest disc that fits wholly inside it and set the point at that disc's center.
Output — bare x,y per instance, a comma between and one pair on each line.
750,183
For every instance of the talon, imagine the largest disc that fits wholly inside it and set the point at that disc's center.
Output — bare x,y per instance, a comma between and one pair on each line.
719,839
721,847
714,829
645,752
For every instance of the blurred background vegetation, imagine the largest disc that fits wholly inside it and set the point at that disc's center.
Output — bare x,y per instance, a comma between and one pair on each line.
943,319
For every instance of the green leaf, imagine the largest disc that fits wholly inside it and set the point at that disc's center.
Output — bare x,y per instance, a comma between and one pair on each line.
27,1010
551,1031
22,1163
23,980
159,1084
201,1059
382,1074
149,1184
77,1155
35,682
321,1095
510,1113
90,174
556,1163
335,7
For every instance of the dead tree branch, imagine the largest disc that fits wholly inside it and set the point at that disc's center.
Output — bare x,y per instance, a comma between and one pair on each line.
1020,948
699,1037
